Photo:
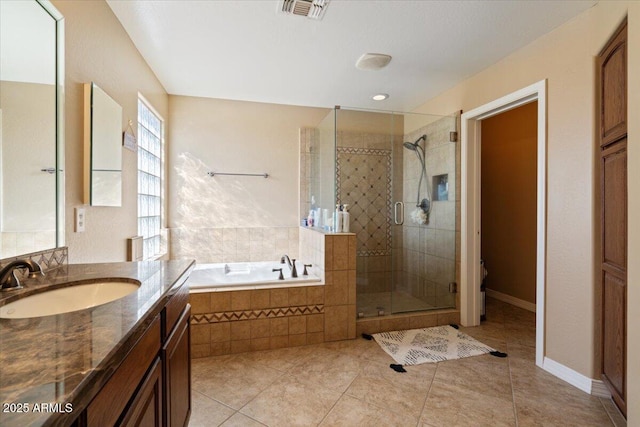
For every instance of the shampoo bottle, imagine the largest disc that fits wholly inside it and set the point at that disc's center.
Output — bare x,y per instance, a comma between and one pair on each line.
337,226
345,219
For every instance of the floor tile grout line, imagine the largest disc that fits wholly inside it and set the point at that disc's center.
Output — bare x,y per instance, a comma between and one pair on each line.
282,374
424,404
513,391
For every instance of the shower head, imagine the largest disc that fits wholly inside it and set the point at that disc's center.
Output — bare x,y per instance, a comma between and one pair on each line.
413,146
410,145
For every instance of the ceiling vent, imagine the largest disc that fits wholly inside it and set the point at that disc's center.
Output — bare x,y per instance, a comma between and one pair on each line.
313,9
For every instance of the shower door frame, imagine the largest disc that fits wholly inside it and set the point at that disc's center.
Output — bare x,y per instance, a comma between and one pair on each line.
470,274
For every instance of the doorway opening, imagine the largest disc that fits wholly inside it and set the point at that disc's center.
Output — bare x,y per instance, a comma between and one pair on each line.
508,205
470,212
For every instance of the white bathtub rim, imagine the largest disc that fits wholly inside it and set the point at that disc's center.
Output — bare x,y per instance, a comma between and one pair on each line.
253,287
289,282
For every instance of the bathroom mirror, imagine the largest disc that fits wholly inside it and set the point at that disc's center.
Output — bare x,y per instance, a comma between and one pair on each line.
103,148
31,127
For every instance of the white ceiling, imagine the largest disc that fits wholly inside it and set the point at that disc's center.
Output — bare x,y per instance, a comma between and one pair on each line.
247,50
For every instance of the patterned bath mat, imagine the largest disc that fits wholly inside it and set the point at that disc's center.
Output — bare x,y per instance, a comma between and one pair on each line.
429,345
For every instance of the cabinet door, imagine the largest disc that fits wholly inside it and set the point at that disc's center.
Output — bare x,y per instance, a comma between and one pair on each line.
176,356
612,100
146,408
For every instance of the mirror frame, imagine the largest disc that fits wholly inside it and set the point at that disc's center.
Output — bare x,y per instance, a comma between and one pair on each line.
60,94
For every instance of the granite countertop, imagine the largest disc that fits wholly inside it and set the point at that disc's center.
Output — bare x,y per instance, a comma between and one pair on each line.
65,359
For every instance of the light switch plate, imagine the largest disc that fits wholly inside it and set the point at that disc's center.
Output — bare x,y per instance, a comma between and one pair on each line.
80,220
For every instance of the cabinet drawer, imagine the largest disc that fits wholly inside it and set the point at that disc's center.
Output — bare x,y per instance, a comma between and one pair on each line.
106,407
174,309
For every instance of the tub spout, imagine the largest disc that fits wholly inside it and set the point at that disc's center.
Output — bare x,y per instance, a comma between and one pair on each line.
291,263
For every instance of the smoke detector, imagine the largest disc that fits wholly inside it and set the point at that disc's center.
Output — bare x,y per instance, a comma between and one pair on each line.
373,61
313,9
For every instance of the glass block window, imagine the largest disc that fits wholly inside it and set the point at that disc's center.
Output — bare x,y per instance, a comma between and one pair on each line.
150,186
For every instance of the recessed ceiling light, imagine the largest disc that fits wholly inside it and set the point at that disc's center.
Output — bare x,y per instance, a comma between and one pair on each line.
380,96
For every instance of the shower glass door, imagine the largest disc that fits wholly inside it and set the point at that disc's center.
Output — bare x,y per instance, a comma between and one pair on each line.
424,262
384,170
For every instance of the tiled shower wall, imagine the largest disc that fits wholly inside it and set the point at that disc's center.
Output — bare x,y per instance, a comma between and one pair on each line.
364,172
213,245
429,250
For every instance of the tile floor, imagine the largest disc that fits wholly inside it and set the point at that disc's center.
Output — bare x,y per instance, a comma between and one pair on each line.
349,383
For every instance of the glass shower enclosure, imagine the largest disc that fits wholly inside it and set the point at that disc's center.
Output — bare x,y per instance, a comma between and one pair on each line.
397,172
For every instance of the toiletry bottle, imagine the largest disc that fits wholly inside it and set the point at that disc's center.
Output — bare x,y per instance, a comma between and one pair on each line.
341,218
310,218
345,219
337,227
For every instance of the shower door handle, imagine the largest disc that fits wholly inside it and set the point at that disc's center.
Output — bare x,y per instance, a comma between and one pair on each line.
395,213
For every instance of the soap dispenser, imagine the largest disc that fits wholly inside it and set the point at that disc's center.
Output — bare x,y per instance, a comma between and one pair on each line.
345,219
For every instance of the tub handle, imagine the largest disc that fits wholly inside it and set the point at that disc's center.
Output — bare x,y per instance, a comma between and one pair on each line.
305,272
395,213
281,276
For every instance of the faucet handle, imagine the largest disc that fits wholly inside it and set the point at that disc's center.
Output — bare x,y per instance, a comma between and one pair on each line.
35,270
281,276
305,273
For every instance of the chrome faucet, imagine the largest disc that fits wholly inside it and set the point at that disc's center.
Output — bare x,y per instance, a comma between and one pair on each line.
291,263
8,278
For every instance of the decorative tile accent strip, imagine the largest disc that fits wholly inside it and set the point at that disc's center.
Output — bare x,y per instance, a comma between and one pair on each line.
364,182
265,313
48,259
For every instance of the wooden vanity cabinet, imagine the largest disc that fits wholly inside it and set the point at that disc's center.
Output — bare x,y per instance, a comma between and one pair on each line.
146,408
176,357
152,386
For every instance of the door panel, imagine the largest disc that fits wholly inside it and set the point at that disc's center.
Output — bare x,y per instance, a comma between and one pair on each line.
614,89
614,205
612,100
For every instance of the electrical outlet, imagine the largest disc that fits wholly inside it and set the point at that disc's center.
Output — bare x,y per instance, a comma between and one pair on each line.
80,220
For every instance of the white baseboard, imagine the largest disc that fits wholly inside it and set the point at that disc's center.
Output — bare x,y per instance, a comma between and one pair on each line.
511,300
576,379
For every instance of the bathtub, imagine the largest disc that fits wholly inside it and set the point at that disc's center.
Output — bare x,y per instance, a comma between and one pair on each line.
241,276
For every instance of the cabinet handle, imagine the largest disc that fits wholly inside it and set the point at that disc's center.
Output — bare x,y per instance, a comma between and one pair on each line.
395,213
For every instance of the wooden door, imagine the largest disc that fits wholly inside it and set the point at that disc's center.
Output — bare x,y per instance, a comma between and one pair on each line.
612,79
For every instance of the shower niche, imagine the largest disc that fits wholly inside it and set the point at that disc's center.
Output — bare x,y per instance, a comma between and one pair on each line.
384,165
440,187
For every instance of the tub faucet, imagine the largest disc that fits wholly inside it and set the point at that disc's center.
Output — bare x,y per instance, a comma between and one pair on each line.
8,278
291,263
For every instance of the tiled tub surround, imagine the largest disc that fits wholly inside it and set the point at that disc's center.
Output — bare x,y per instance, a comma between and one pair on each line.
67,358
229,244
226,322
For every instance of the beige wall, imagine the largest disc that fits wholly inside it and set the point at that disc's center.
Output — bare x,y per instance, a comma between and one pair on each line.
508,186
633,255
236,137
566,58
98,49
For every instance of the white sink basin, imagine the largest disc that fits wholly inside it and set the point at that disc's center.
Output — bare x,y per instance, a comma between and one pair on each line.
65,300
